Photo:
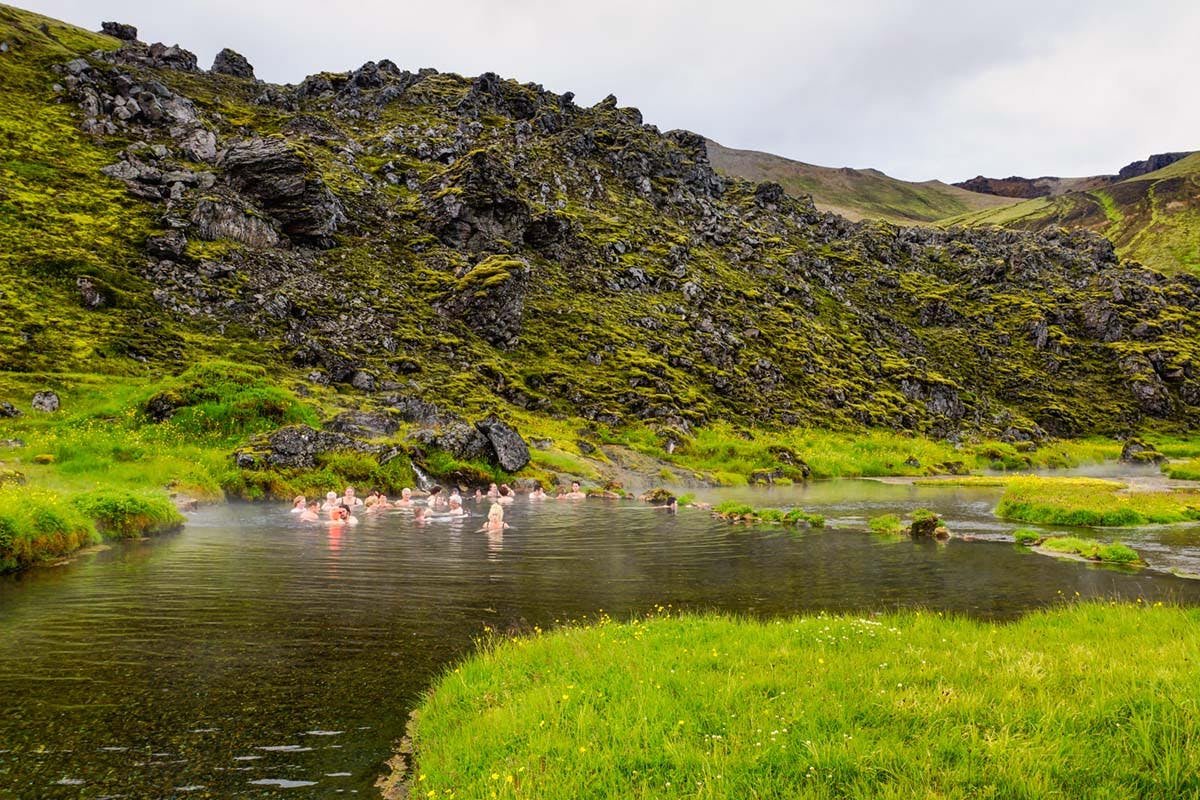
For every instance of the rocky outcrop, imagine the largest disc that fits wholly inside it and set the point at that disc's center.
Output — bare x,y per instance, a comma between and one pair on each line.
1014,186
490,299
276,174
1151,164
475,206
230,62
8,410
366,424
298,446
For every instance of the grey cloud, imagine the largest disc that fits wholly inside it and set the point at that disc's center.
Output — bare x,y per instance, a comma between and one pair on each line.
917,89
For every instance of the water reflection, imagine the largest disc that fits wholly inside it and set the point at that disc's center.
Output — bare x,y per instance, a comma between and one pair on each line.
252,652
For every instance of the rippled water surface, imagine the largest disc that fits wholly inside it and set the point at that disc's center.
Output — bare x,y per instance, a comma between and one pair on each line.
254,656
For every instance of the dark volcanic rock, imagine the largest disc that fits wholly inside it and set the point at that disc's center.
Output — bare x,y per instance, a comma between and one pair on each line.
1154,162
465,442
1137,451
369,424
512,453
9,410
476,204
119,30
287,186
1014,186
490,299
297,446
230,62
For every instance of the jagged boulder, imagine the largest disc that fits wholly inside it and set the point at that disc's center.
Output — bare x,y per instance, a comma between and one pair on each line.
9,410
289,188
230,62
511,451
119,30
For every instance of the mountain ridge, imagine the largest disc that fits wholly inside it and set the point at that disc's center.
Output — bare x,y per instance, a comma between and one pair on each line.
421,237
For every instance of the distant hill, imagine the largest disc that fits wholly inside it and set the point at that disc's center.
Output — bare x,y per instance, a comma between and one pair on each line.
1049,186
1153,218
853,193
1029,188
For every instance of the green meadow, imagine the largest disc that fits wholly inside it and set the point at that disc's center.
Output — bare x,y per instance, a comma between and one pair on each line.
1089,700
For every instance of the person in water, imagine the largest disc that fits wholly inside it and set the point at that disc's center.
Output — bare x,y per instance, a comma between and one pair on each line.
349,500
506,495
478,495
405,500
456,509
493,491
437,500
299,504
342,516
382,504
538,493
331,501
419,516
495,519
574,494
309,514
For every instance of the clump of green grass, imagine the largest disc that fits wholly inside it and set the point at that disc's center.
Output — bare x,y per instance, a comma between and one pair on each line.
886,523
733,510
1115,553
1093,503
1185,471
37,525
1091,700
798,515
121,514
1027,537
219,397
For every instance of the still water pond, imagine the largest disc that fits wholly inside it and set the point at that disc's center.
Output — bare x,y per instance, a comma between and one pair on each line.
254,656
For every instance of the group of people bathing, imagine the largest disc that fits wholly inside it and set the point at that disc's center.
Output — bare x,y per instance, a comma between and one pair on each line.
339,510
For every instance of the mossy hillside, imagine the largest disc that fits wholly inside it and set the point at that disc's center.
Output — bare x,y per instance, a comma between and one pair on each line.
631,313
63,222
1091,700
1152,218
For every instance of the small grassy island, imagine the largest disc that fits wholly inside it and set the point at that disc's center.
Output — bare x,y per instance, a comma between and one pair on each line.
1088,700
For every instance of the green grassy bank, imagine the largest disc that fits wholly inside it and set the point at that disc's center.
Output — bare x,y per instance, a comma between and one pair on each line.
1095,503
1081,701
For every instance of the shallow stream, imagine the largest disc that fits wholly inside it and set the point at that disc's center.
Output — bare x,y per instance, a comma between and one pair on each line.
254,656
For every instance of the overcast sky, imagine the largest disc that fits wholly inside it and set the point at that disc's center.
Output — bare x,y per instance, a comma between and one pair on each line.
935,89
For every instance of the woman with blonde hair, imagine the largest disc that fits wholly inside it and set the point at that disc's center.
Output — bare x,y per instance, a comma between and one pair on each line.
495,519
